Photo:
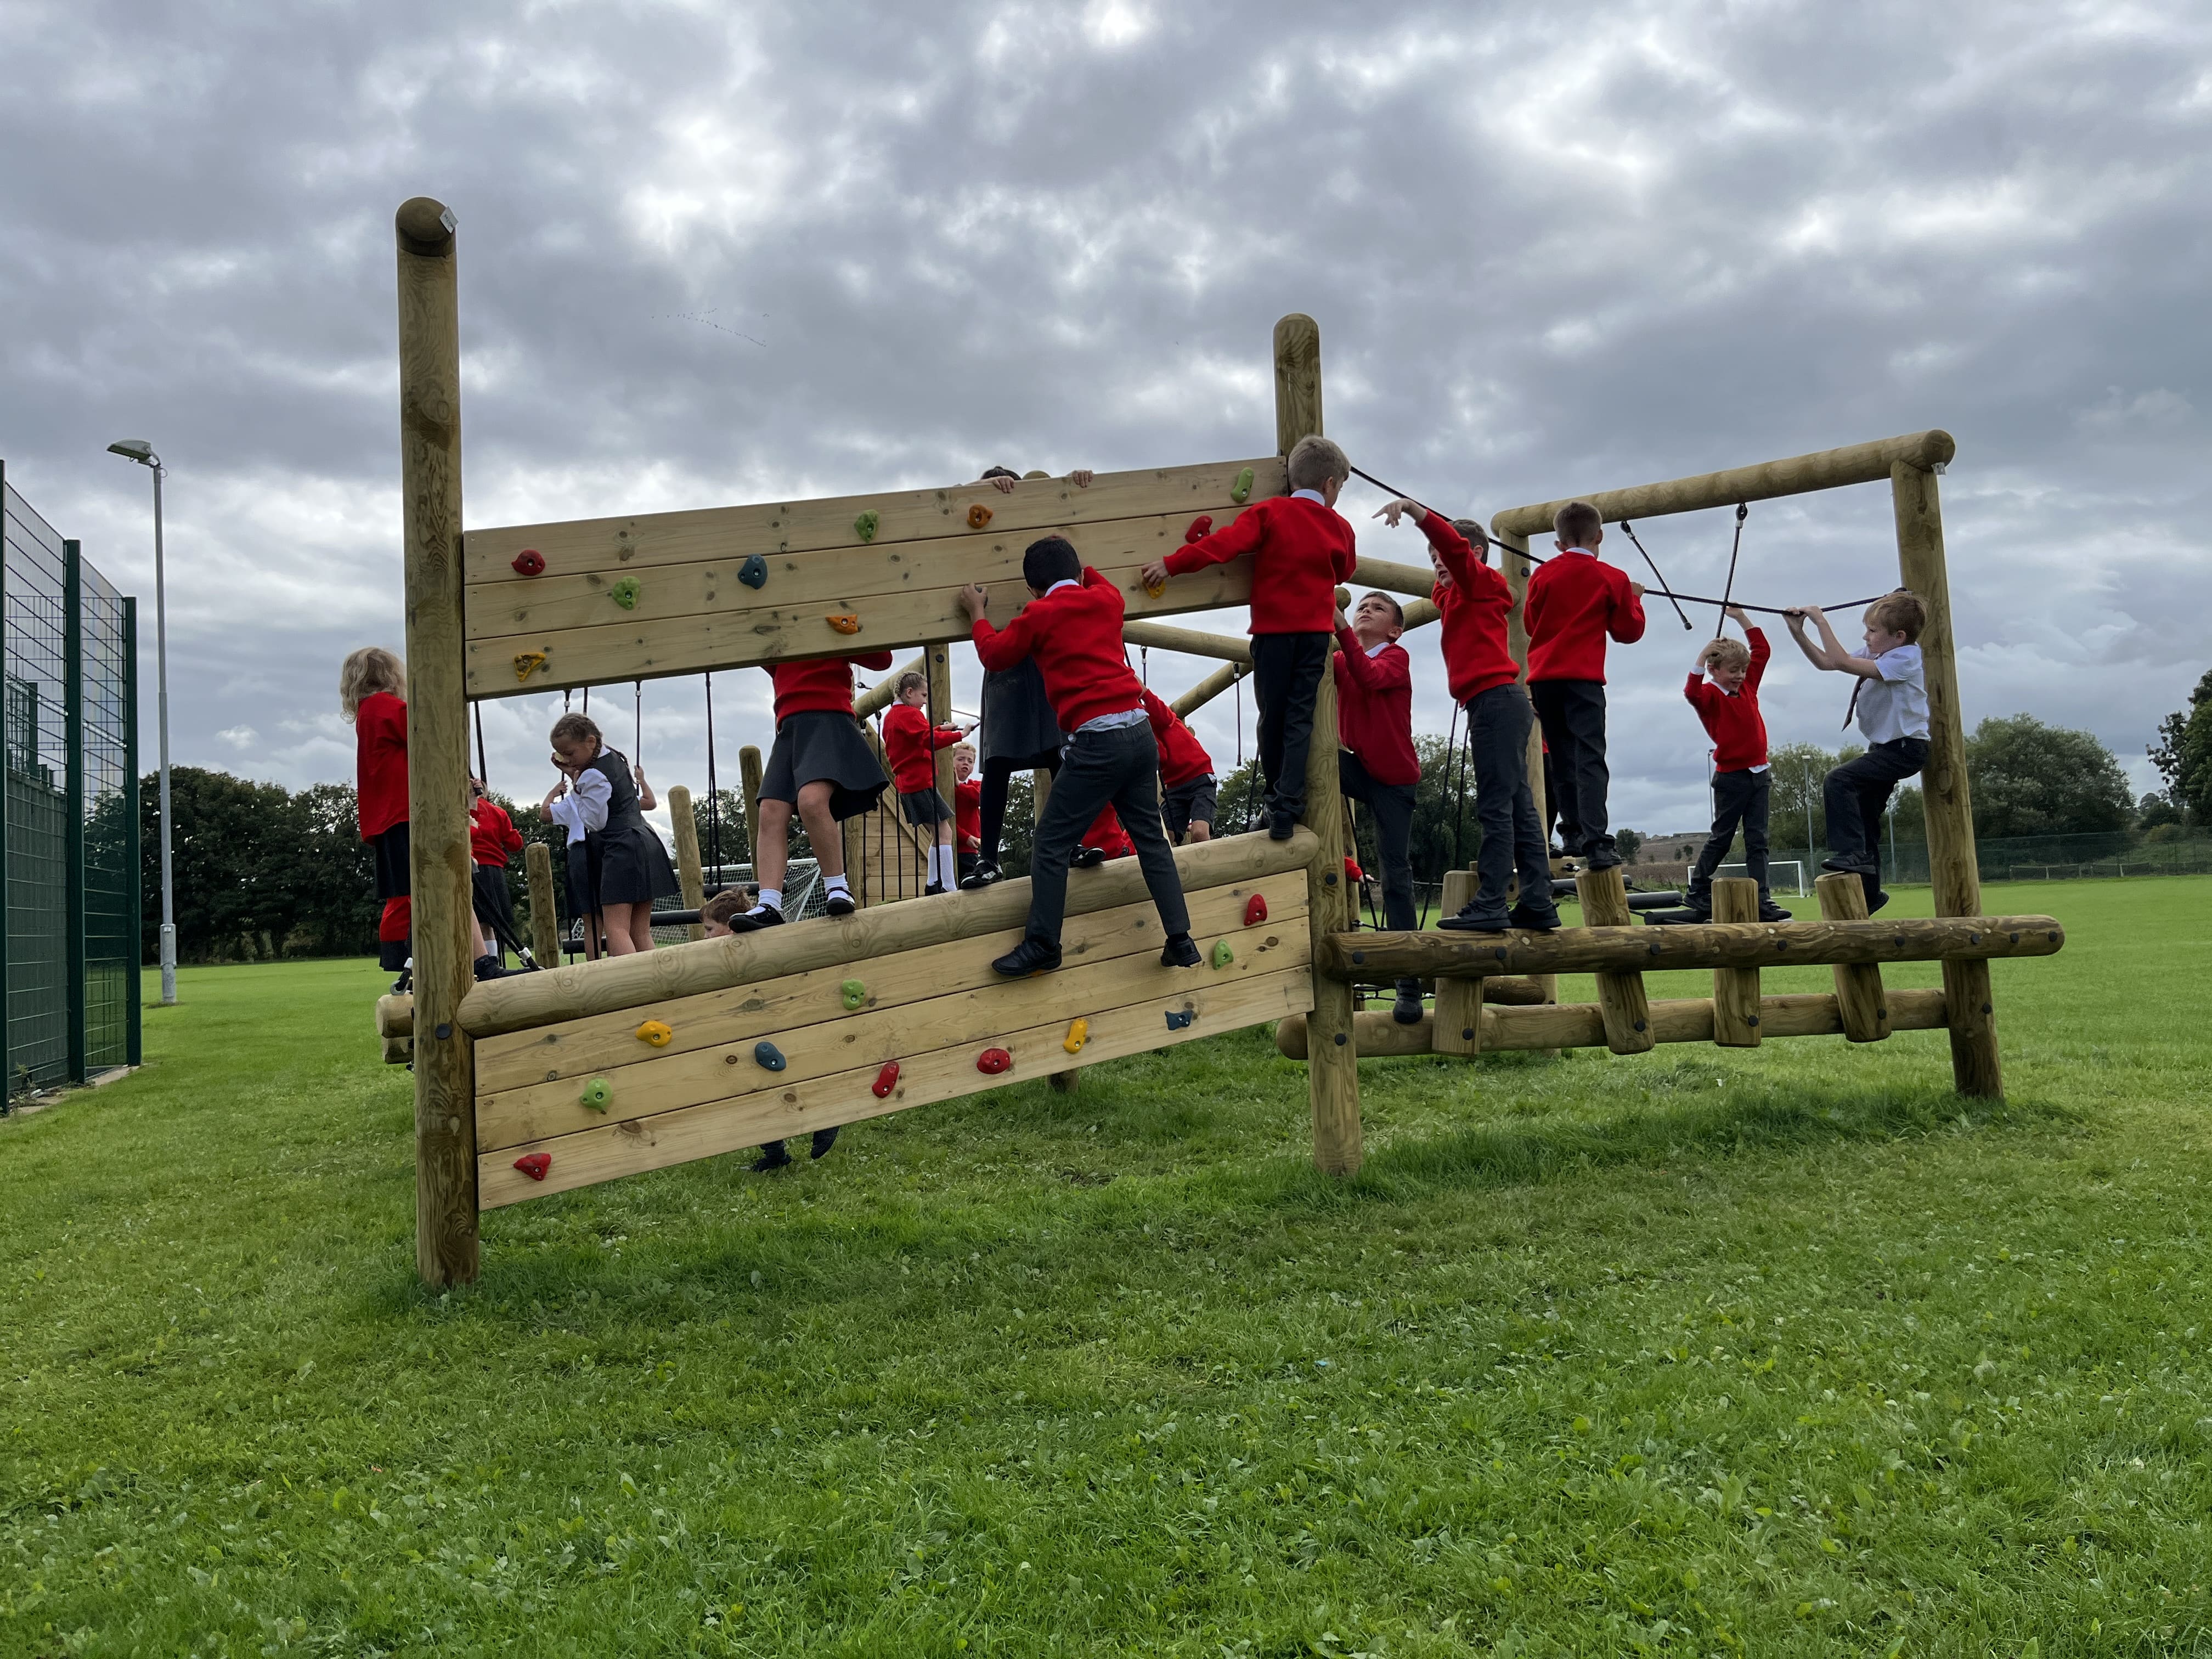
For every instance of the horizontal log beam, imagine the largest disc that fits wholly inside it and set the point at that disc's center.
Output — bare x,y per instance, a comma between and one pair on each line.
1191,641
680,970
1419,613
879,696
1659,950
1799,475
1418,580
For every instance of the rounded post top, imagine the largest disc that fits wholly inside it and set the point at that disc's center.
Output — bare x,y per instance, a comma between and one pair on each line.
1937,448
424,225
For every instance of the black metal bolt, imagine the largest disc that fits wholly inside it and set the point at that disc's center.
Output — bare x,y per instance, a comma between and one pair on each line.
443,1032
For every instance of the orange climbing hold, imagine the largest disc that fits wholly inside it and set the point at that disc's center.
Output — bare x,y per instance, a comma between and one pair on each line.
843,621
991,1061
886,1080
656,1032
978,516
534,1164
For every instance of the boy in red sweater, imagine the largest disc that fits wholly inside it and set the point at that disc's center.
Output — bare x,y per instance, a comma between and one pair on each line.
967,809
1486,681
1377,764
1072,626
910,743
1728,705
492,837
1301,549
1105,839
372,696
821,769
1575,600
1187,792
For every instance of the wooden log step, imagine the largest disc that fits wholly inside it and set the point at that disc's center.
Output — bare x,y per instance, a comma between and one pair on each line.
395,1015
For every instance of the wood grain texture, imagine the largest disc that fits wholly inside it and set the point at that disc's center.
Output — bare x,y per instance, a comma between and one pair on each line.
1297,384
1456,1029
691,879
1735,990
939,659
1333,1070
1513,562
395,1015
1659,949
1191,641
437,742
1418,580
1858,984
1626,1006
605,1152
1375,1034
544,908
680,971
1798,475
574,1051
749,781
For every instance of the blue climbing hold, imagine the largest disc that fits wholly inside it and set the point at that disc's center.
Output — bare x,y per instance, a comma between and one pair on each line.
1180,1017
770,1055
753,573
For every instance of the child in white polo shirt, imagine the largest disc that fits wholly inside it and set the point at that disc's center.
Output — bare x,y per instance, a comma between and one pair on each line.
1891,704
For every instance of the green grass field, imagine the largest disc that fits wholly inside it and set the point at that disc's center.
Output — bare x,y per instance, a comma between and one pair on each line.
1778,1352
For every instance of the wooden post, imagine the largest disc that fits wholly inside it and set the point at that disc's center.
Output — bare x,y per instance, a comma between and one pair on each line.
437,742
690,877
1297,384
1040,793
749,781
1859,985
1735,990
939,670
544,909
1627,1008
1458,1025
1952,863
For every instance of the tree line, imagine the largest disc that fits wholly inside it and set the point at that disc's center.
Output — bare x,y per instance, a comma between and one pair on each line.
264,872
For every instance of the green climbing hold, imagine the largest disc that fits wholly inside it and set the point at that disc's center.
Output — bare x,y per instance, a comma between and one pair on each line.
625,592
1223,956
1243,492
865,525
854,993
598,1093
770,1055
753,573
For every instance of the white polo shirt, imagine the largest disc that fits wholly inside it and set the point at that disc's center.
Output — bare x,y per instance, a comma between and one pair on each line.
1896,705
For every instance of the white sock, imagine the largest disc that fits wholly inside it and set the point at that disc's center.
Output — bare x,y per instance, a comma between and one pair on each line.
835,884
947,871
771,898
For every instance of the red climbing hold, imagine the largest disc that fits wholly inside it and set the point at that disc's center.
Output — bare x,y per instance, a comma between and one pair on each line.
991,1061
529,563
1255,910
1200,528
886,1080
534,1164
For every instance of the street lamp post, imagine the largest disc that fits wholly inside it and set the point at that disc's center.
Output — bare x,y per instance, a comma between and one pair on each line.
138,450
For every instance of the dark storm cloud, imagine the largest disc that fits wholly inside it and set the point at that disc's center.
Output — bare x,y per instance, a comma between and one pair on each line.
713,255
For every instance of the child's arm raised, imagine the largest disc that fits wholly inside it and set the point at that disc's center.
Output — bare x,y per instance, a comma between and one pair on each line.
1829,654
1240,535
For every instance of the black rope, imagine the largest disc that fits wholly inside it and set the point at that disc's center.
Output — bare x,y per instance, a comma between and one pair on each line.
1687,625
713,801
637,728
484,771
1742,512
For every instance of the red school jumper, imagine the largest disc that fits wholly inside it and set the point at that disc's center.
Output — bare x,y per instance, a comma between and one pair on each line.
968,815
820,684
1183,758
1300,550
1108,835
1074,632
1575,600
492,834
379,733
1475,603
1734,723
1375,709
910,743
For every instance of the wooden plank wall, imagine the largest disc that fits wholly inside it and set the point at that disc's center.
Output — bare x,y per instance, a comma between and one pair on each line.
692,613
933,1009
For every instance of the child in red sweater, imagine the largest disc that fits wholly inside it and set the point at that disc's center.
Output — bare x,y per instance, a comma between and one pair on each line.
821,769
492,838
1072,626
1574,601
1728,705
910,743
373,697
967,809
1105,839
1484,680
1301,549
1377,764
1188,791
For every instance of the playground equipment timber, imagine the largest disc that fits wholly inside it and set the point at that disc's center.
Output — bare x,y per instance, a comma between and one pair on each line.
559,1079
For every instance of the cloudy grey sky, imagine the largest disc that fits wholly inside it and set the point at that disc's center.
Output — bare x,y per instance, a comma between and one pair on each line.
716,253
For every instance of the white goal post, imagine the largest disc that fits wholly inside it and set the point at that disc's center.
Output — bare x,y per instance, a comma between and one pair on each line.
1776,869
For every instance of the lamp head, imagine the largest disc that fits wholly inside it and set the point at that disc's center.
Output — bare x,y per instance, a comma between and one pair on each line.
135,449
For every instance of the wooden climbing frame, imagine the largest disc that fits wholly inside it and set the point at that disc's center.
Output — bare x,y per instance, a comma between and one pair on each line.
559,1079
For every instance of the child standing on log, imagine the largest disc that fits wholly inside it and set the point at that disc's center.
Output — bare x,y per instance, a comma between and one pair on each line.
1072,627
373,697
1188,791
1485,681
626,867
1890,702
1378,766
1575,600
821,769
910,743
1728,705
1301,549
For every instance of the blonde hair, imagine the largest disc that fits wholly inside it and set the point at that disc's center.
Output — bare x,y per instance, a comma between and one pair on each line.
1728,653
908,681
1899,613
1574,523
967,748
366,671
1315,460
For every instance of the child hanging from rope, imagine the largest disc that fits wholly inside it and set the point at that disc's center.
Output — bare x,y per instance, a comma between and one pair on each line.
1072,627
823,770
1728,705
1377,765
910,743
373,697
626,867
1019,731
966,810
1485,681
1574,601
1890,702
1188,793
1301,549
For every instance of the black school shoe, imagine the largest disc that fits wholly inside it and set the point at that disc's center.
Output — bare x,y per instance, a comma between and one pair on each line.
1408,1008
981,876
1844,867
1180,952
1031,956
1471,921
1546,920
1086,858
747,921
840,904
935,889
823,1140
1875,900
1770,911
1280,824
772,1158
487,967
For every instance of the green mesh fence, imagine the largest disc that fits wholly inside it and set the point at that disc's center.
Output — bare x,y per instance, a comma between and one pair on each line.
68,863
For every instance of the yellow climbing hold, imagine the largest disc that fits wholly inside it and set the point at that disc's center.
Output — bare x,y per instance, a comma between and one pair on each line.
978,516
1078,1033
656,1032
527,663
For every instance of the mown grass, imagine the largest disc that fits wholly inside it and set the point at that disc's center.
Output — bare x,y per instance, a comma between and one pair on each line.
1777,1351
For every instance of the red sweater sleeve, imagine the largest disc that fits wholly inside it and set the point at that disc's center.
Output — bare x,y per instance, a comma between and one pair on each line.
1625,620
1453,551
877,661
1389,672
1761,651
512,840
1004,647
1240,535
